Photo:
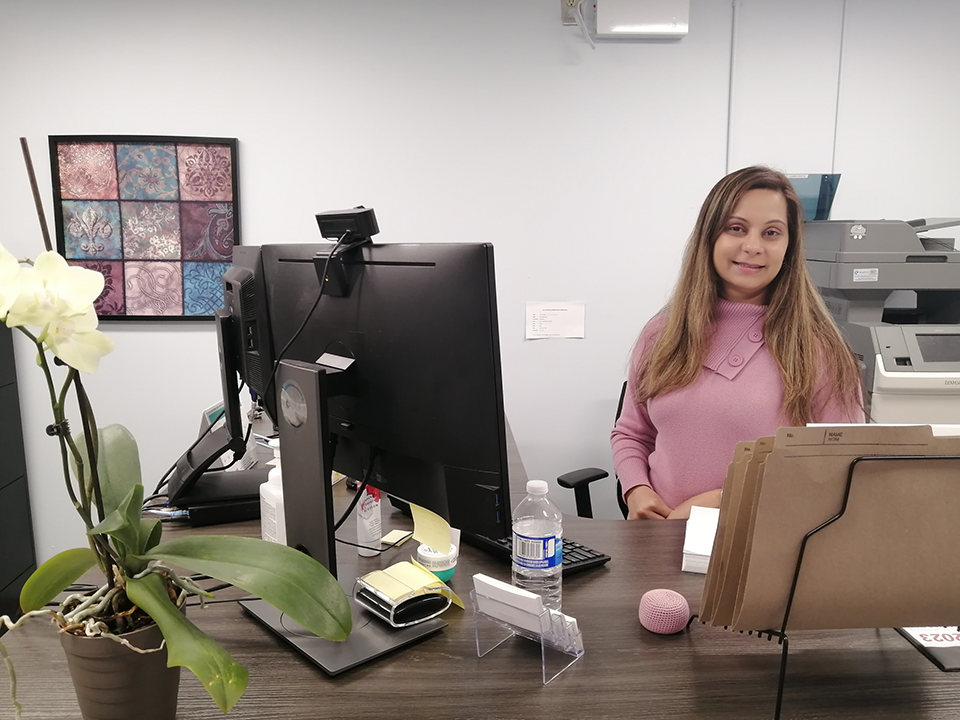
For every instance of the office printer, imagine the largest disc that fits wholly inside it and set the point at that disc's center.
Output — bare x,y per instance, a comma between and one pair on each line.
896,297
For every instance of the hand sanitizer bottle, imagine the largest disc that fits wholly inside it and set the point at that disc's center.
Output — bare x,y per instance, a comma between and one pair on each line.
368,523
272,522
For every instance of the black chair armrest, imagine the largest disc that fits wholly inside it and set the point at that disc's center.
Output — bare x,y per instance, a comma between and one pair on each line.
579,481
576,478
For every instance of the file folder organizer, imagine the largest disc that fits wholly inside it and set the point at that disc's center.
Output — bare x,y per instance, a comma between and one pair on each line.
913,471
495,622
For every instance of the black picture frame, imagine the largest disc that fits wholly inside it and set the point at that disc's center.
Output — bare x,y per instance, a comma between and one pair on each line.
158,215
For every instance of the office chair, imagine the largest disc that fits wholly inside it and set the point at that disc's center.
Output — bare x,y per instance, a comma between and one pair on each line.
579,480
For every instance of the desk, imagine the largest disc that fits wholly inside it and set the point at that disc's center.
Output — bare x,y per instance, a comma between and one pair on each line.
626,671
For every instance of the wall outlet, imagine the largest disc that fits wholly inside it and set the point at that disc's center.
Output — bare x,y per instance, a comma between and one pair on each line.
568,12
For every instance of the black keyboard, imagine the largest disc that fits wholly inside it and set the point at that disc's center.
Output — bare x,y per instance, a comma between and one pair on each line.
576,556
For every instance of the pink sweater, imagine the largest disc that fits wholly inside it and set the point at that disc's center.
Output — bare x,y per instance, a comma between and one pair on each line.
680,443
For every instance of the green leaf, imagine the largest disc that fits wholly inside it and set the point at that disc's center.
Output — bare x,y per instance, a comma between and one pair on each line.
291,581
56,574
118,464
223,677
150,532
127,529
119,522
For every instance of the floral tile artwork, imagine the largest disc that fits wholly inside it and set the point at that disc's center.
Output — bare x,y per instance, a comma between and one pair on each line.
202,281
88,171
158,216
151,231
153,288
147,172
205,173
111,300
92,229
207,231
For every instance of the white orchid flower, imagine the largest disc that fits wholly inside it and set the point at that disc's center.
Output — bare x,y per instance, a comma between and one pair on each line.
9,280
52,290
77,342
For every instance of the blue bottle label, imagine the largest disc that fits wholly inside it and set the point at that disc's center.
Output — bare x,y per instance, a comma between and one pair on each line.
538,553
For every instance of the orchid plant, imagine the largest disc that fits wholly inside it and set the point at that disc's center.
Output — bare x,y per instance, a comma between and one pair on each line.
51,303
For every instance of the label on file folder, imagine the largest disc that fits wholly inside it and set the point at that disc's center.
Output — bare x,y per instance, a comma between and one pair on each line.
935,636
538,553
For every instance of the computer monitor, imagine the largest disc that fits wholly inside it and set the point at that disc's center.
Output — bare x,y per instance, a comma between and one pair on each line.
423,399
245,300
215,496
408,394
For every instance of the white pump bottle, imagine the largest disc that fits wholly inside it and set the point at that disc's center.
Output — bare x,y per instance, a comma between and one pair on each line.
272,521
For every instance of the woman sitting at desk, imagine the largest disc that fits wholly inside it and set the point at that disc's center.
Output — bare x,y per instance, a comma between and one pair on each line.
745,346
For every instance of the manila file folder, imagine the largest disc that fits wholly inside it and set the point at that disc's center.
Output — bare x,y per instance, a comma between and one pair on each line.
729,507
891,558
734,528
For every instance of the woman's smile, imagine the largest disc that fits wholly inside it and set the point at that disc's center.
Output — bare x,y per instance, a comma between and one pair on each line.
749,252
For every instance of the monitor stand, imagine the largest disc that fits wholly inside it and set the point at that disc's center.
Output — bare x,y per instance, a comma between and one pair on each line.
303,424
370,638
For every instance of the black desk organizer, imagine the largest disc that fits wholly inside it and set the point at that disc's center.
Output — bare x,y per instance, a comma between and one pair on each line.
781,634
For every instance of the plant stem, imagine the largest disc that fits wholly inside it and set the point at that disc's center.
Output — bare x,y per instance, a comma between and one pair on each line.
82,496
66,437
92,441
93,454
58,415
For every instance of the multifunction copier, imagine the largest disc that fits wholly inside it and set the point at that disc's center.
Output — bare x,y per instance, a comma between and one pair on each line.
896,297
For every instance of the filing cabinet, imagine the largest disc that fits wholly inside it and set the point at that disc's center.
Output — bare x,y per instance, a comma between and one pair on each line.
17,554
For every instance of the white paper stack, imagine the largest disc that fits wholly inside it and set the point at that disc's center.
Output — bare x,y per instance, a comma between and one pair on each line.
698,542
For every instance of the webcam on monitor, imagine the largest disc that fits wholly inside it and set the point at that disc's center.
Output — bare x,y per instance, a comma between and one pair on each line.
351,228
358,224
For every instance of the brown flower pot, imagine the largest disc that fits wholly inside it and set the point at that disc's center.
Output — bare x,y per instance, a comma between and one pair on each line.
115,683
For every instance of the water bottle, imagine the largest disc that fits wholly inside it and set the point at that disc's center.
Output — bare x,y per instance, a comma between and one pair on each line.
538,545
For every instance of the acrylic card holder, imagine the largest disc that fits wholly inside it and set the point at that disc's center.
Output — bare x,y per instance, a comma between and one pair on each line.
496,621
403,594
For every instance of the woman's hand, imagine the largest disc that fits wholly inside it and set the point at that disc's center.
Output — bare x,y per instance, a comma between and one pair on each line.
711,498
644,503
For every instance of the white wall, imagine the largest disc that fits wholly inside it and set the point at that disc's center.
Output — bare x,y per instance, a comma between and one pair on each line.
473,121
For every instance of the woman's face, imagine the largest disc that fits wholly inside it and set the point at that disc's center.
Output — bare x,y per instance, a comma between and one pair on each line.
749,252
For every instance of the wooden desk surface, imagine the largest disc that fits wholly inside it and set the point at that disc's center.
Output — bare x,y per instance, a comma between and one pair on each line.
626,672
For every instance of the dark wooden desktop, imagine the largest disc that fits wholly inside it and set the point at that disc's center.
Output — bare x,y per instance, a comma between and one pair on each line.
626,672
702,672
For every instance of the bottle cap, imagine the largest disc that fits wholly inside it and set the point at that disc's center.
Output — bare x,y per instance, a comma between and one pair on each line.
275,445
537,487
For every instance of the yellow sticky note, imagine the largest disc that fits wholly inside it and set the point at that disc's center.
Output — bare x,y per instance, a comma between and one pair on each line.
430,529
387,585
395,538
401,580
454,598
413,576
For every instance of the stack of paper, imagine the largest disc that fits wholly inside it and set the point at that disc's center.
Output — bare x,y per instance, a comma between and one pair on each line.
889,560
698,541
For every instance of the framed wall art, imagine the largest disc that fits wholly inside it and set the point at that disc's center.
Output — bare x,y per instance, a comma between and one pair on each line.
158,216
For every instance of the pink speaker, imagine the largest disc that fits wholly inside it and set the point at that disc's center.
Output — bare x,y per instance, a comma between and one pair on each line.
664,611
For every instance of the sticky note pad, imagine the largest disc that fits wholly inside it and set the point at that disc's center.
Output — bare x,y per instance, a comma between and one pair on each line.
395,538
430,529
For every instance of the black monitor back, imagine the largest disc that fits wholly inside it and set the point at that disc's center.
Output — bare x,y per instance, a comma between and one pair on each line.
420,324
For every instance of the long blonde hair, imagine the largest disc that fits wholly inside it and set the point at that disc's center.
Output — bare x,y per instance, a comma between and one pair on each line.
798,330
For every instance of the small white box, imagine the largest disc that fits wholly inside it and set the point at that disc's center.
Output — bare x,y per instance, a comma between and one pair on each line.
643,19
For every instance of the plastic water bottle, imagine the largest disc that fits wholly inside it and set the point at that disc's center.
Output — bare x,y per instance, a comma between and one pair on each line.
538,545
